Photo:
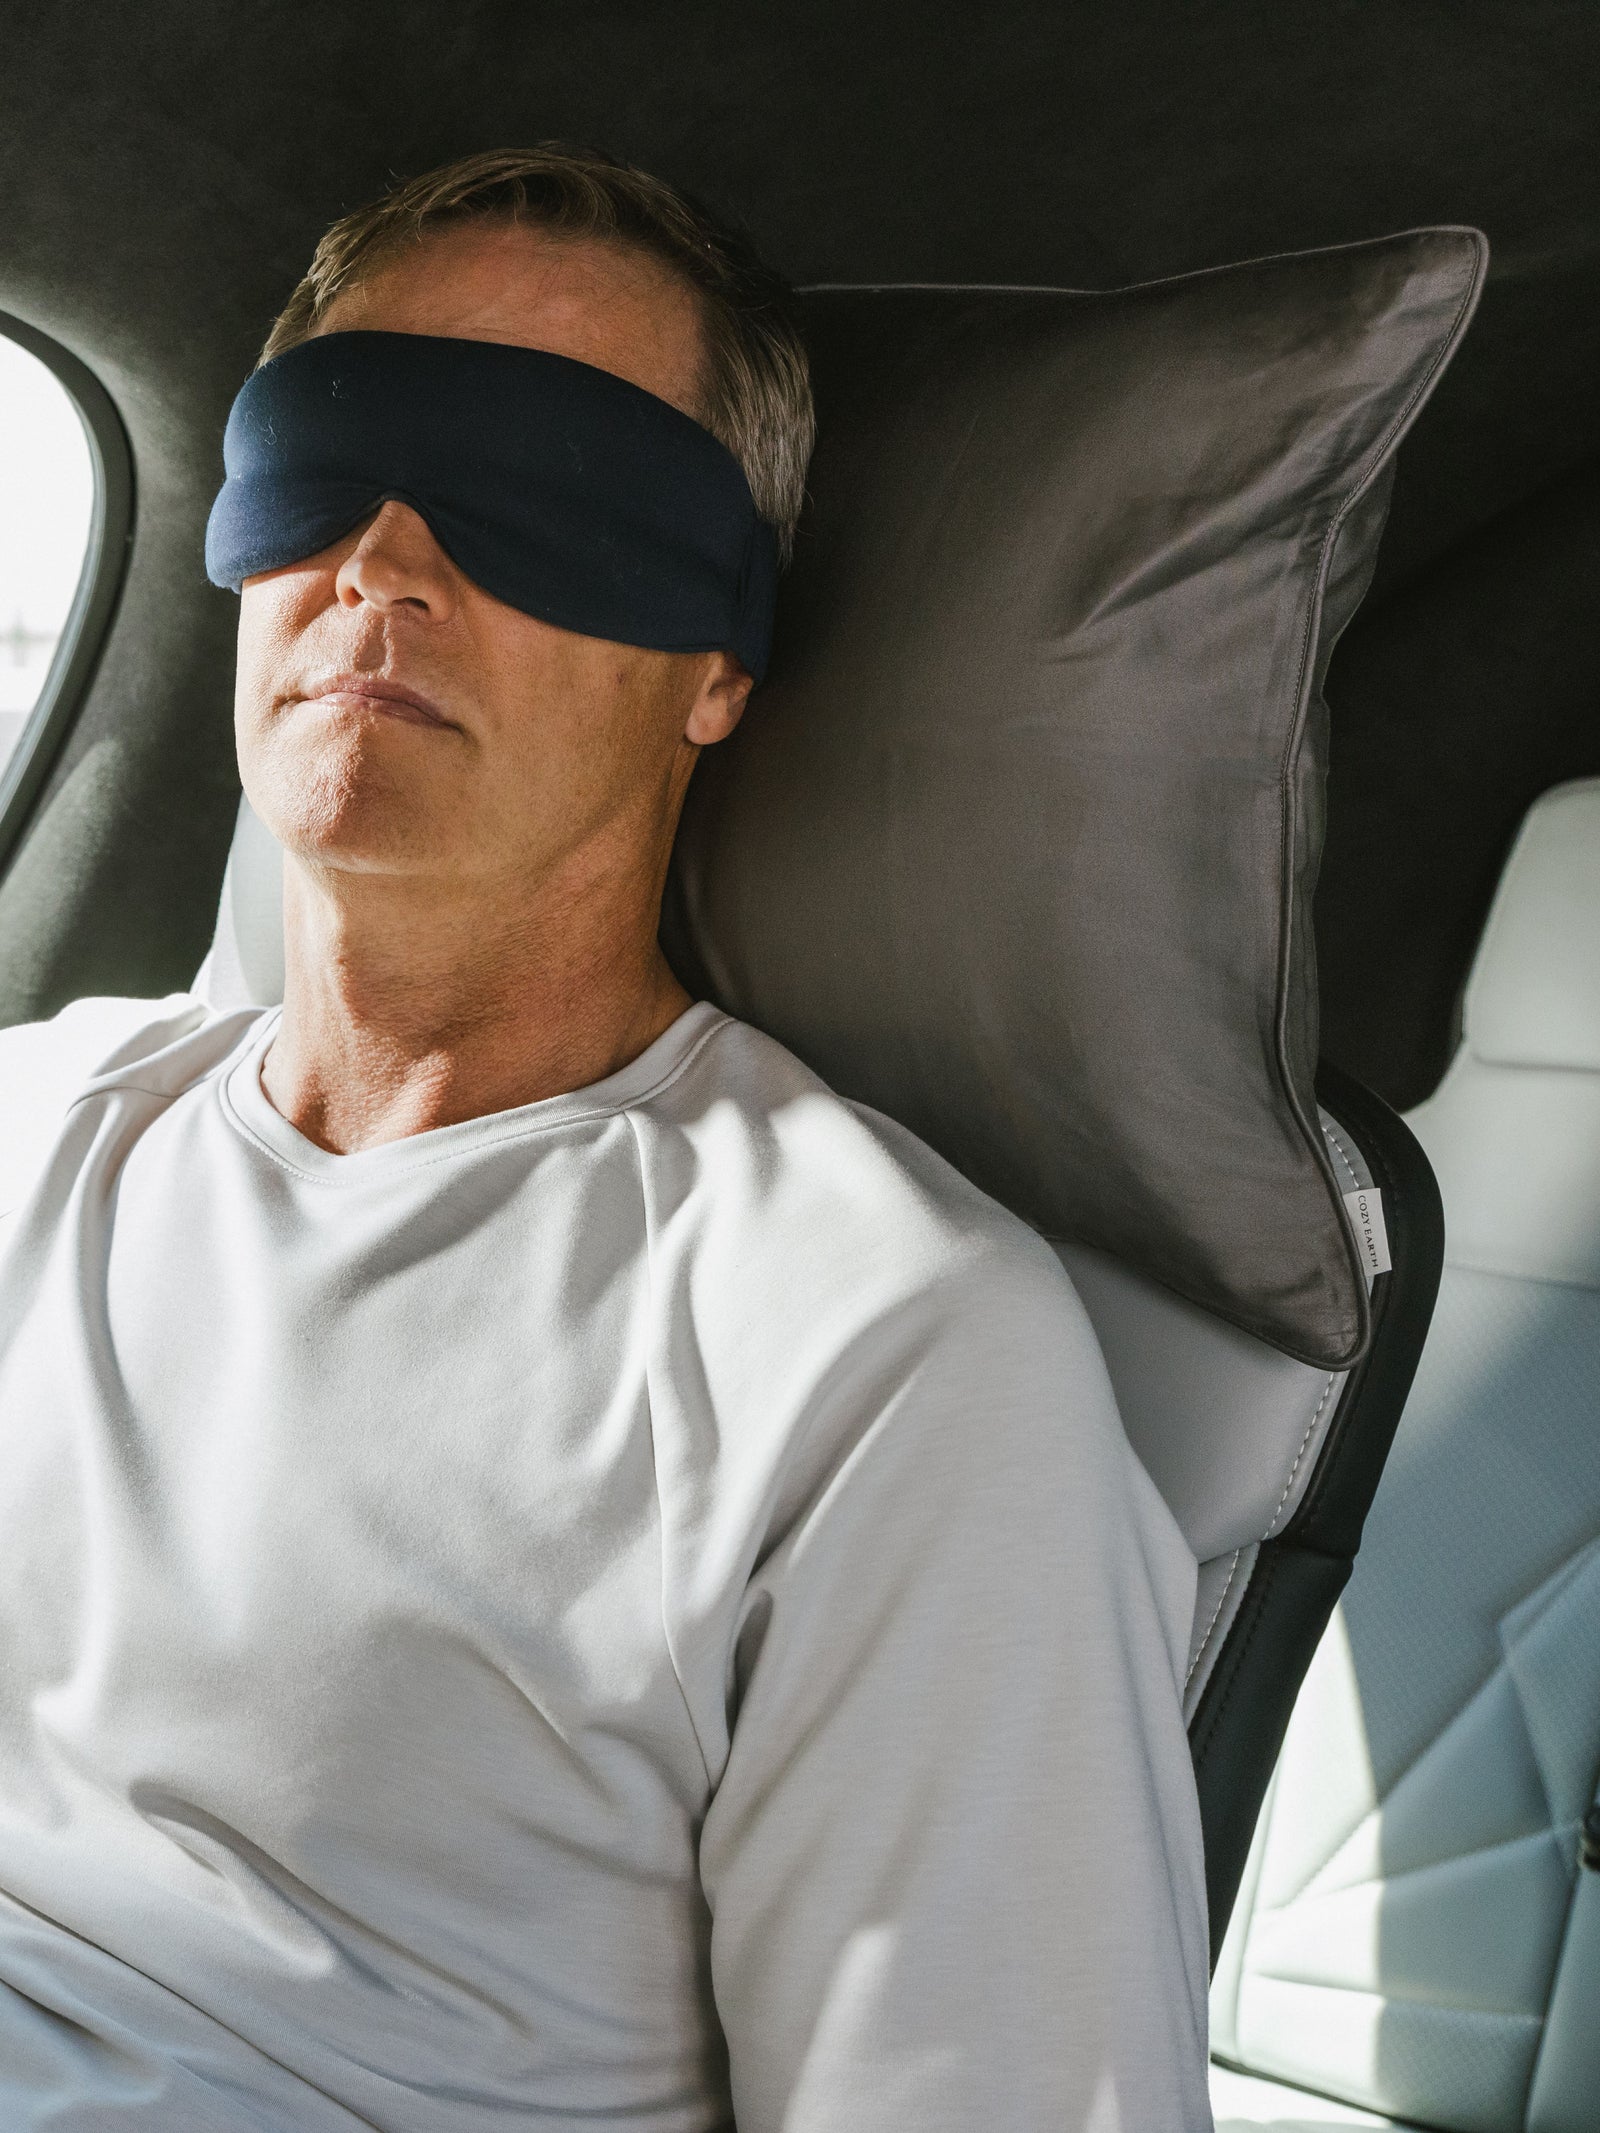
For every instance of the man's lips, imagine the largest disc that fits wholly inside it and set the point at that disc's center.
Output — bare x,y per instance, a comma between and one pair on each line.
390,697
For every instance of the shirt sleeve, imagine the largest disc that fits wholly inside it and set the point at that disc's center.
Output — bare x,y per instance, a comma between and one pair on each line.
44,1065
954,1859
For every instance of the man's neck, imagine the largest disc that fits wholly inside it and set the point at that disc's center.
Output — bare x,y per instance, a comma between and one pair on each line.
408,1006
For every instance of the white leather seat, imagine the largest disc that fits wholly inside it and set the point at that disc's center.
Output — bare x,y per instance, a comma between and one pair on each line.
1246,2104
1414,1934
1228,1429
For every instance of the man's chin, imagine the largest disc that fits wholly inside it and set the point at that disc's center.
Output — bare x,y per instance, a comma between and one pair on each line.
365,823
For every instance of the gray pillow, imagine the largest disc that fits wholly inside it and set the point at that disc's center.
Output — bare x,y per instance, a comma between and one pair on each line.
1018,841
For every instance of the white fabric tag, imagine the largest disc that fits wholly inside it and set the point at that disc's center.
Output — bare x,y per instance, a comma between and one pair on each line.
1364,1206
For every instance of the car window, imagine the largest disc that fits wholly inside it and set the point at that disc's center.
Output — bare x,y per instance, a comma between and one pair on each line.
47,495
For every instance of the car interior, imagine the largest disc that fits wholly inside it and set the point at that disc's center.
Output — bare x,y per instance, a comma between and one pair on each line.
1175,796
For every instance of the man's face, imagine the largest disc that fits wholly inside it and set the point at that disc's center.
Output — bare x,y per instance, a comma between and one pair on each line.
394,718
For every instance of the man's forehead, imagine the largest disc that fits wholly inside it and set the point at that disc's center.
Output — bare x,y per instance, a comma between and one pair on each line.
594,299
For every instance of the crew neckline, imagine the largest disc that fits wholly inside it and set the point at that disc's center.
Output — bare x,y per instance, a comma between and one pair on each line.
250,1111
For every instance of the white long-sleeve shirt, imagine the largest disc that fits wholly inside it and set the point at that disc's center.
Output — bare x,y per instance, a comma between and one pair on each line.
636,1610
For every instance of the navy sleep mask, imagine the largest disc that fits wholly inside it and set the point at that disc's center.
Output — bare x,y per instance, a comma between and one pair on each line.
557,487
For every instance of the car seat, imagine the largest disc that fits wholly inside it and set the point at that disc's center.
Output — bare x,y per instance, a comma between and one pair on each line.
1418,1931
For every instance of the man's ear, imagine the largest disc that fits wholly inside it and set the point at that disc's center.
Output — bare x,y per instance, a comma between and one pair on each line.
724,691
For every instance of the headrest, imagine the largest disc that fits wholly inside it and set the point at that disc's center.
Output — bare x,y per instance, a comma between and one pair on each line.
1513,1130
1018,841
244,965
1533,999
561,489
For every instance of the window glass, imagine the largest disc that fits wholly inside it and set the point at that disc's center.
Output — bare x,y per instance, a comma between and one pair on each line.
46,512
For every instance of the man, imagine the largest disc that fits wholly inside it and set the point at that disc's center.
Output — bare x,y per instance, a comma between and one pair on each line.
552,1571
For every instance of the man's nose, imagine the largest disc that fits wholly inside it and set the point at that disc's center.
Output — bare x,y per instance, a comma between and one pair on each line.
397,563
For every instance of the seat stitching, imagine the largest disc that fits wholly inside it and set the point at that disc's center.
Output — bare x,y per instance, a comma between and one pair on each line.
1333,1378
1386,1877
1227,1587
1201,1742
1350,1168
1401,1999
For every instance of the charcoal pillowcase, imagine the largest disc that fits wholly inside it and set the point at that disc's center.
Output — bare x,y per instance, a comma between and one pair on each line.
1018,841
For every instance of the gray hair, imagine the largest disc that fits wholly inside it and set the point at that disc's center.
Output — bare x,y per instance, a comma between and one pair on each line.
756,388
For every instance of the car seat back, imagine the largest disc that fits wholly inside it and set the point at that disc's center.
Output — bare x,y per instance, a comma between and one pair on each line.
1419,1926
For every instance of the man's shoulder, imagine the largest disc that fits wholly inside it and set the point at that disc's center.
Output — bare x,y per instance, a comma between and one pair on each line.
46,1067
814,1181
817,1270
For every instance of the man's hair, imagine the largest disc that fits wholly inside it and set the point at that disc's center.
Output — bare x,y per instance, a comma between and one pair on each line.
756,384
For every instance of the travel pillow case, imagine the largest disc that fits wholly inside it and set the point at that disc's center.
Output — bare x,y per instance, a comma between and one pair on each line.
1018,841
